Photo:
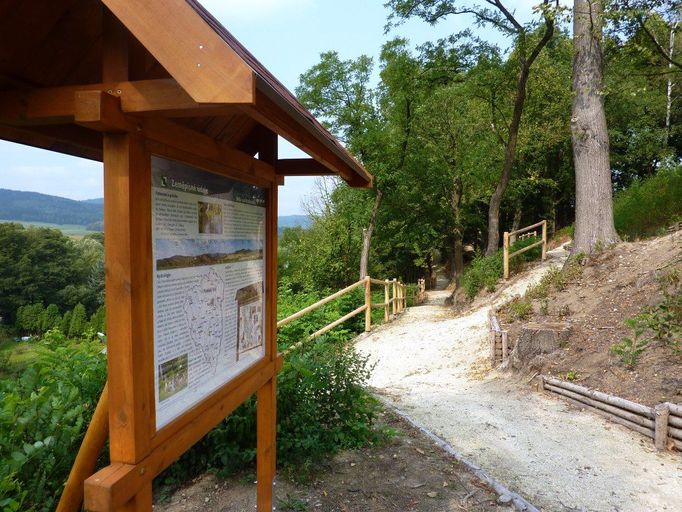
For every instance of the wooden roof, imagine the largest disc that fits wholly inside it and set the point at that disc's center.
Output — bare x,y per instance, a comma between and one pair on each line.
182,66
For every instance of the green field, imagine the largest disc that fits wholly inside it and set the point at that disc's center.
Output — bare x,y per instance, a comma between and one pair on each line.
73,230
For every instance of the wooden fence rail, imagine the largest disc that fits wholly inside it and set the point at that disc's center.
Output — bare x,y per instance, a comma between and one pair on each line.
395,301
662,423
508,236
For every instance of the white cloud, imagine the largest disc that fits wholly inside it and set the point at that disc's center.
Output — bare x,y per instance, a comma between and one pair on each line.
226,10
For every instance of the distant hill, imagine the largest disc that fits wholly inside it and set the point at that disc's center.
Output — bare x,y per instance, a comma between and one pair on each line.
34,207
31,206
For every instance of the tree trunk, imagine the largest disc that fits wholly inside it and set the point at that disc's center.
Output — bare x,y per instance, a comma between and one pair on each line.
594,198
367,236
457,268
516,223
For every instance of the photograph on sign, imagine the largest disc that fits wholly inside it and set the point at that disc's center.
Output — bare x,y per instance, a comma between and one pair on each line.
208,236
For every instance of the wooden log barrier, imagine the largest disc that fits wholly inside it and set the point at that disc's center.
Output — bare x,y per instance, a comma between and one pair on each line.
602,397
675,409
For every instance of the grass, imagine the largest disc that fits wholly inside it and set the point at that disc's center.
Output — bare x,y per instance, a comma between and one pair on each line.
647,207
15,356
72,230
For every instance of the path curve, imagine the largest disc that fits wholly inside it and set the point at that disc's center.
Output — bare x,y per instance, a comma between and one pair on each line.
432,365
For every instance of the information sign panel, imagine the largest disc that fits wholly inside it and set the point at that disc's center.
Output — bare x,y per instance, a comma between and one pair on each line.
208,239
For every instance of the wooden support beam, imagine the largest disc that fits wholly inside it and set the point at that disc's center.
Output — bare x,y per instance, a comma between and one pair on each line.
268,113
144,97
301,167
202,62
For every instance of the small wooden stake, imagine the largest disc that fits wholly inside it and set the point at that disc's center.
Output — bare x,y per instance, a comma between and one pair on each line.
368,304
387,301
544,240
394,306
661,415
506,255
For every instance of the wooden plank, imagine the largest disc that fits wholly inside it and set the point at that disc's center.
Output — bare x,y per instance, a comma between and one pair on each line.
81,143
95,437
201,61
99,111
116,484
301,167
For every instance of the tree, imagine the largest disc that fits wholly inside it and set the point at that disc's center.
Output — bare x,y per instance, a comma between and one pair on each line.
594,202
78,322
527,48
50,318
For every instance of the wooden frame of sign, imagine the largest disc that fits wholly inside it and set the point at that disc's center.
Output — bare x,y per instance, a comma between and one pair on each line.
139,451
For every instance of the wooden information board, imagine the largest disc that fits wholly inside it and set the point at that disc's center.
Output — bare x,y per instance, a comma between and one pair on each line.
191,248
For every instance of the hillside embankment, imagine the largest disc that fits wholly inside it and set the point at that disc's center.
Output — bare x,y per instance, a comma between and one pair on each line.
615,285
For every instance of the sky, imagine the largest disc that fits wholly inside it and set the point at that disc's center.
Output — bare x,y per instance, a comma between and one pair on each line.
287,36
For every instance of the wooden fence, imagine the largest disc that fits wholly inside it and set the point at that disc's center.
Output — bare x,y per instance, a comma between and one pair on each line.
675,227
662,423
395,301
512,236
499,341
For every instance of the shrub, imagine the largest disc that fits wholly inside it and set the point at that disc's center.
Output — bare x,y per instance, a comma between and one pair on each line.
43,416
485,271
648,206
518,309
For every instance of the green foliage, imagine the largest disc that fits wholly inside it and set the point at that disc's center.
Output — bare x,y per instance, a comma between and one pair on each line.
42,266
648,206
485,271
78,322
660,323
31,206
43,416
98,321
518,309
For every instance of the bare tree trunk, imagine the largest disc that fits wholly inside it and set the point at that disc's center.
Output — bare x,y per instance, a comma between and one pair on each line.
516,223
367,235
594,197
669,91
457,268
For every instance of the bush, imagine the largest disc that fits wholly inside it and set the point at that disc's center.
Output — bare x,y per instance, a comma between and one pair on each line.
649,206
43,418
485,271
322,407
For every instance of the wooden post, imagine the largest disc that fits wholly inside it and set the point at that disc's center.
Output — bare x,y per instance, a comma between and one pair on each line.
84,465
368,304
505,345
544,240
506,255
266,401
387,301
661,416
394,302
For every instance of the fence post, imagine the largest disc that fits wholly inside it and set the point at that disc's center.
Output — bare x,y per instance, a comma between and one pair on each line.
544,240
506,255
387,294
368,304
661,415
404,296
394,303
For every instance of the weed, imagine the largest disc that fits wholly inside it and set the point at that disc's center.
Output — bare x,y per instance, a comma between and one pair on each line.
518,309
629,349
572,375
292,504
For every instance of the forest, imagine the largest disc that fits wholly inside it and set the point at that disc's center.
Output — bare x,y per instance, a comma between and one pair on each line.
466,137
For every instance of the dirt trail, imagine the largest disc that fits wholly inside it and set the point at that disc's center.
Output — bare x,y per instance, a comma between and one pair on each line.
432,365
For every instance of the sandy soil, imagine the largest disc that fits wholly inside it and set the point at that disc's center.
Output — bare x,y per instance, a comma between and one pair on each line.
614,286
407,473
433,365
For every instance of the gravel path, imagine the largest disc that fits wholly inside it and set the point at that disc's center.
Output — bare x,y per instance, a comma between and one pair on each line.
432,365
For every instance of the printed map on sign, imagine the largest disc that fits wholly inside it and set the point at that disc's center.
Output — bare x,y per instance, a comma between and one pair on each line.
204,313
208,271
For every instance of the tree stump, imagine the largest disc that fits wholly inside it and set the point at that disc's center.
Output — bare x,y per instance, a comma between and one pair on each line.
539,338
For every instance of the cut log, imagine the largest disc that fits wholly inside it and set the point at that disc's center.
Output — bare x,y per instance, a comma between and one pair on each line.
634,418
602,397
674,421
675,409
661,415
675,433
632,426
